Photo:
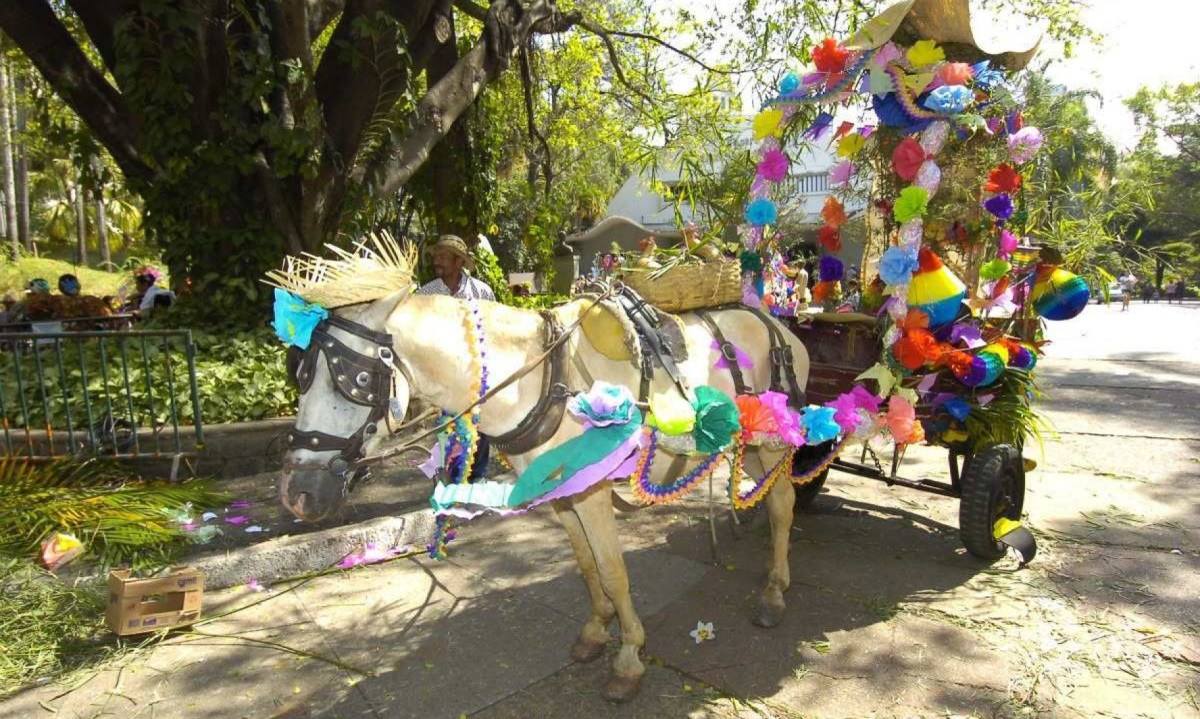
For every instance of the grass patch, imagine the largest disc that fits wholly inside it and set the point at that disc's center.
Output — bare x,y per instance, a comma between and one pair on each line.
47,628
15,276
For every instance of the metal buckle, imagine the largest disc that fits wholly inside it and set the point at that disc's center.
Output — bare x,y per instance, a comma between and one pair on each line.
777,356
728,352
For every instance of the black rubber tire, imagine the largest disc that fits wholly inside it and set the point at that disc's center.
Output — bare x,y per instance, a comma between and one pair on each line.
993,486
802,461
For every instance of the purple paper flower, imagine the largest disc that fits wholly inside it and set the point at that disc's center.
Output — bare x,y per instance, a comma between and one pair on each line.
968,334
1024,144
1000,205
846,412
957,408
830,269
237,519
865,399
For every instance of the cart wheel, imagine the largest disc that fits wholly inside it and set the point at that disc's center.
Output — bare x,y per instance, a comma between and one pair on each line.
993,486
802,461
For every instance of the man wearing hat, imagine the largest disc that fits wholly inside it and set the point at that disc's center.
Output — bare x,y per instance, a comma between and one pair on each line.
453,264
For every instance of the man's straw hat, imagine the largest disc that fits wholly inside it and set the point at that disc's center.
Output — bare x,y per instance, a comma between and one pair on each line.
375,268
455,245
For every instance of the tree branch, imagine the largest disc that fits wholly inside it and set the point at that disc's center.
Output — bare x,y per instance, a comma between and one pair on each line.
527,87
507,27
35,28
654,39
476,11
99,17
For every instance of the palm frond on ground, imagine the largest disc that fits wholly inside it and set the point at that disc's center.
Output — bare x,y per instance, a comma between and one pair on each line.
120,520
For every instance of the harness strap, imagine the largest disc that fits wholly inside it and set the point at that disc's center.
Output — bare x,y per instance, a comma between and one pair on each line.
783,371
645,321
727,351
546,416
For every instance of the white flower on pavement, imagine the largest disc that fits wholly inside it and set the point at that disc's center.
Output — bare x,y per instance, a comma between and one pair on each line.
703,632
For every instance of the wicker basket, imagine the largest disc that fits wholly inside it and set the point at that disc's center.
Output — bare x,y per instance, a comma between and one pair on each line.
689,286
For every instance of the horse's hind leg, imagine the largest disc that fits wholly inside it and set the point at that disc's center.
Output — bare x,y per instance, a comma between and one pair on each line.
589,645
779,507
597,526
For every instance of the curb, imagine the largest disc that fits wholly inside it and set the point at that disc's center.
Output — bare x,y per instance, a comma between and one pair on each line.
288,557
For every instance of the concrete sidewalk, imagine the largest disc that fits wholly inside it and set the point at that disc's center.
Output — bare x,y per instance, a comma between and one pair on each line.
887,615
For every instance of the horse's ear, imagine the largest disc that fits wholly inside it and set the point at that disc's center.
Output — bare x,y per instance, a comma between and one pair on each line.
377,313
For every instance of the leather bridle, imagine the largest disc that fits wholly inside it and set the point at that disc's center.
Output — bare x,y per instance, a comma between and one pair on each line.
362,379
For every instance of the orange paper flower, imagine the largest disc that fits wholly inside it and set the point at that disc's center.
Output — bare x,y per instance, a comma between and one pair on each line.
833,212
1003,178
916,348
754,416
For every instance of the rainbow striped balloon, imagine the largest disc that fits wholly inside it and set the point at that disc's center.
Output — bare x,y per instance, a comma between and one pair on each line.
1058,294
935,290
986,367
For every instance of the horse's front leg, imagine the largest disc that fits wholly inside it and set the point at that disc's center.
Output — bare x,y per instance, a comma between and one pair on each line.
589,645
780,502
590,517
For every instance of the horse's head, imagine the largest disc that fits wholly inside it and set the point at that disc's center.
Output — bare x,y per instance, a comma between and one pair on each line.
349,379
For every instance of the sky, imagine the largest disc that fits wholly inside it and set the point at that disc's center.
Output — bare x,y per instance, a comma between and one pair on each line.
1147,42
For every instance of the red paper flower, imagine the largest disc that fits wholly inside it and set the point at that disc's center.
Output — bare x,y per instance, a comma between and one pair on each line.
830,56
907,158
833,213
915,348
821,290
830,238
1003,179
957,361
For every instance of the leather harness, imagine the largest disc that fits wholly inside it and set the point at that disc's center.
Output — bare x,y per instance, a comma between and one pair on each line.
544,419
783,373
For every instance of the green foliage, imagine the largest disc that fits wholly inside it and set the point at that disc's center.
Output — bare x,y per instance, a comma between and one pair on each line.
487,268
120,521
539,302
240,377
1010,417
47,627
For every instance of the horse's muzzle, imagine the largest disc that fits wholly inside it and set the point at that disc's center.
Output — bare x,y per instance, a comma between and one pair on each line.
311,494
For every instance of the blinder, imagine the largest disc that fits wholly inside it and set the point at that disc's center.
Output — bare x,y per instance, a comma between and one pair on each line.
361,379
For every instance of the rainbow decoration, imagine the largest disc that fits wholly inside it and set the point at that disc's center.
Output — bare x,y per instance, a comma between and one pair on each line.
935,290
986,367
1058,294
1022,356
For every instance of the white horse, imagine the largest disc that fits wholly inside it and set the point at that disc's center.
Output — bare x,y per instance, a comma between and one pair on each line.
431,357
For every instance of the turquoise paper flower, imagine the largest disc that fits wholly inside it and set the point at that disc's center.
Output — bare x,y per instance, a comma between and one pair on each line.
296,319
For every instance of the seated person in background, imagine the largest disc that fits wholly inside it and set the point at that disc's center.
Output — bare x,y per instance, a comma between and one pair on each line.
69,285
851,299
145,300
13,311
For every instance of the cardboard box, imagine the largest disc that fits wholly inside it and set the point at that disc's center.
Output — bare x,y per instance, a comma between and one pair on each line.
137,606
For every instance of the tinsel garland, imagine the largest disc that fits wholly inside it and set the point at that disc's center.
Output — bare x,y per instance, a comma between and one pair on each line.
849,77
762,486
647,492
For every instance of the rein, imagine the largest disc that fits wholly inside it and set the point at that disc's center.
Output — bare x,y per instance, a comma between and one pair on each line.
414,443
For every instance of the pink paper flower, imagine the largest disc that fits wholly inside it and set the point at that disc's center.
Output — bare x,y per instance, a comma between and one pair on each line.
237,519
773,167
841,173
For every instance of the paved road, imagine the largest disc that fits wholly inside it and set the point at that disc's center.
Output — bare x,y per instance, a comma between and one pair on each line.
887,616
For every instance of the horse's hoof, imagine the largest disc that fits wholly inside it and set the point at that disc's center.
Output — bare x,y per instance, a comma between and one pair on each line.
768,616
584,652
619,690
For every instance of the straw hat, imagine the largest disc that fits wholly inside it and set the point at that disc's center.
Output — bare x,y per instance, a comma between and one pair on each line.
456,246
1007,38
375,268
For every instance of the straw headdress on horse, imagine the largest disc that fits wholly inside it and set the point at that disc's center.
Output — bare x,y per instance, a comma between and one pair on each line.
454,245
376,267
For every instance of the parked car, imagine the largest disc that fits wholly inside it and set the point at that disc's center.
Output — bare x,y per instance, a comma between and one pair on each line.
1115,293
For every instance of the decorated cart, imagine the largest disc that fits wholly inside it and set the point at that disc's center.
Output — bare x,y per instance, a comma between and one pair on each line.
946,331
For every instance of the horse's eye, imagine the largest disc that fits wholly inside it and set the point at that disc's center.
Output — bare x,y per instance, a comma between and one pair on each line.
361,379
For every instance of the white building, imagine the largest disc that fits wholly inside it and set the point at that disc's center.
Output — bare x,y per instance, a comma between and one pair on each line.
637,211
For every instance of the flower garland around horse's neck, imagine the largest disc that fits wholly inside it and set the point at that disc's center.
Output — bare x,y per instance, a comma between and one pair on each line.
465,435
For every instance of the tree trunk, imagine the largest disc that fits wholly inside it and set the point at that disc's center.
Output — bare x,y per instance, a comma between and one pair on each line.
22,172
81,256
102,230
6,156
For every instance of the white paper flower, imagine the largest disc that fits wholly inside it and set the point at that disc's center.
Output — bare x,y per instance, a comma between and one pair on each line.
703,632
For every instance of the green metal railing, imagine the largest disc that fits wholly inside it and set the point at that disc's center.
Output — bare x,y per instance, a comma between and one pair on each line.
128,394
